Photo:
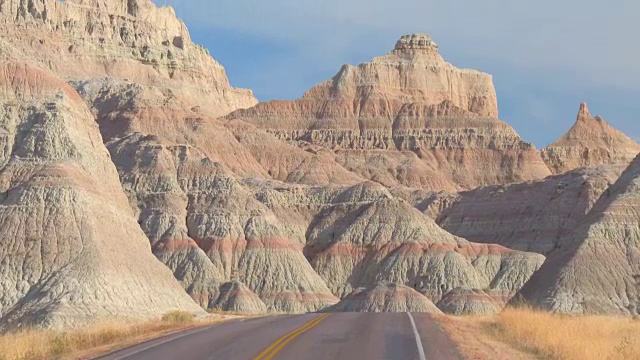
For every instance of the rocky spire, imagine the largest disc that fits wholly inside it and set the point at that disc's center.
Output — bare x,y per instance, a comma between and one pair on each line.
590,142
584,113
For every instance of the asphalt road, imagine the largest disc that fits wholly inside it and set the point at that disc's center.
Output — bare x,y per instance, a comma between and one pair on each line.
348,336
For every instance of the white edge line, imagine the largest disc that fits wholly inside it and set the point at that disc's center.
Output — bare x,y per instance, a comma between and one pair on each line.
163,342
417,335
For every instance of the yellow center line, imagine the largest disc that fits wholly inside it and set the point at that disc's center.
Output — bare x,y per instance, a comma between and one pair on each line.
272,350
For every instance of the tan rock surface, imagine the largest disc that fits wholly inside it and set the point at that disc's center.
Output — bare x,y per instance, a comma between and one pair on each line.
405,119
598,270
133,40
386,297
71,249
590,142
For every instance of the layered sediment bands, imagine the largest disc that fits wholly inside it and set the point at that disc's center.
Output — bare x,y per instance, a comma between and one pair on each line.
590,142
70,247
288,163
468,301
353,246
285,206
405,119
533,216
209,228
134,40
598,271
386,297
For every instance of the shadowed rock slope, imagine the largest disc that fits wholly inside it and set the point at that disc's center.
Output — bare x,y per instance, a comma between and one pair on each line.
590,142
533,216
598,270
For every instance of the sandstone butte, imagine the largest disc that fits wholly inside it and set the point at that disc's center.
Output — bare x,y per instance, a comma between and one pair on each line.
408,118
361,195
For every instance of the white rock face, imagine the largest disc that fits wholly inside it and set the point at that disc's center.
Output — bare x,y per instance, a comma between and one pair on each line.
288,206
71,249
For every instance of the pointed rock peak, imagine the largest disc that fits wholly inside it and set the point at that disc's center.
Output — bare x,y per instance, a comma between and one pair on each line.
583,113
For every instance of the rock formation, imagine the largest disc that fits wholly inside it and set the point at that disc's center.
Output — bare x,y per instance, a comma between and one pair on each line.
128,40
236,297
598,270
359,245
533,216
468,301
287,206
386,297
70,248
590,142
405,119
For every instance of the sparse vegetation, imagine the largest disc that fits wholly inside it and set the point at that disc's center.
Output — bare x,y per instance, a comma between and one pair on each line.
178,317
552,336
44,344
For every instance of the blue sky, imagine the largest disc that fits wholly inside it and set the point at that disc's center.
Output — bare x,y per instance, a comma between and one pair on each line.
546,56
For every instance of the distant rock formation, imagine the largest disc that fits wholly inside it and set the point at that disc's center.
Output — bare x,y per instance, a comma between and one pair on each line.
598,269
405,119
590,142
386,297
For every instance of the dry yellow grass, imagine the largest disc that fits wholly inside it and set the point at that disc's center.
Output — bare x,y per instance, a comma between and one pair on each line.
553,336
43,344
